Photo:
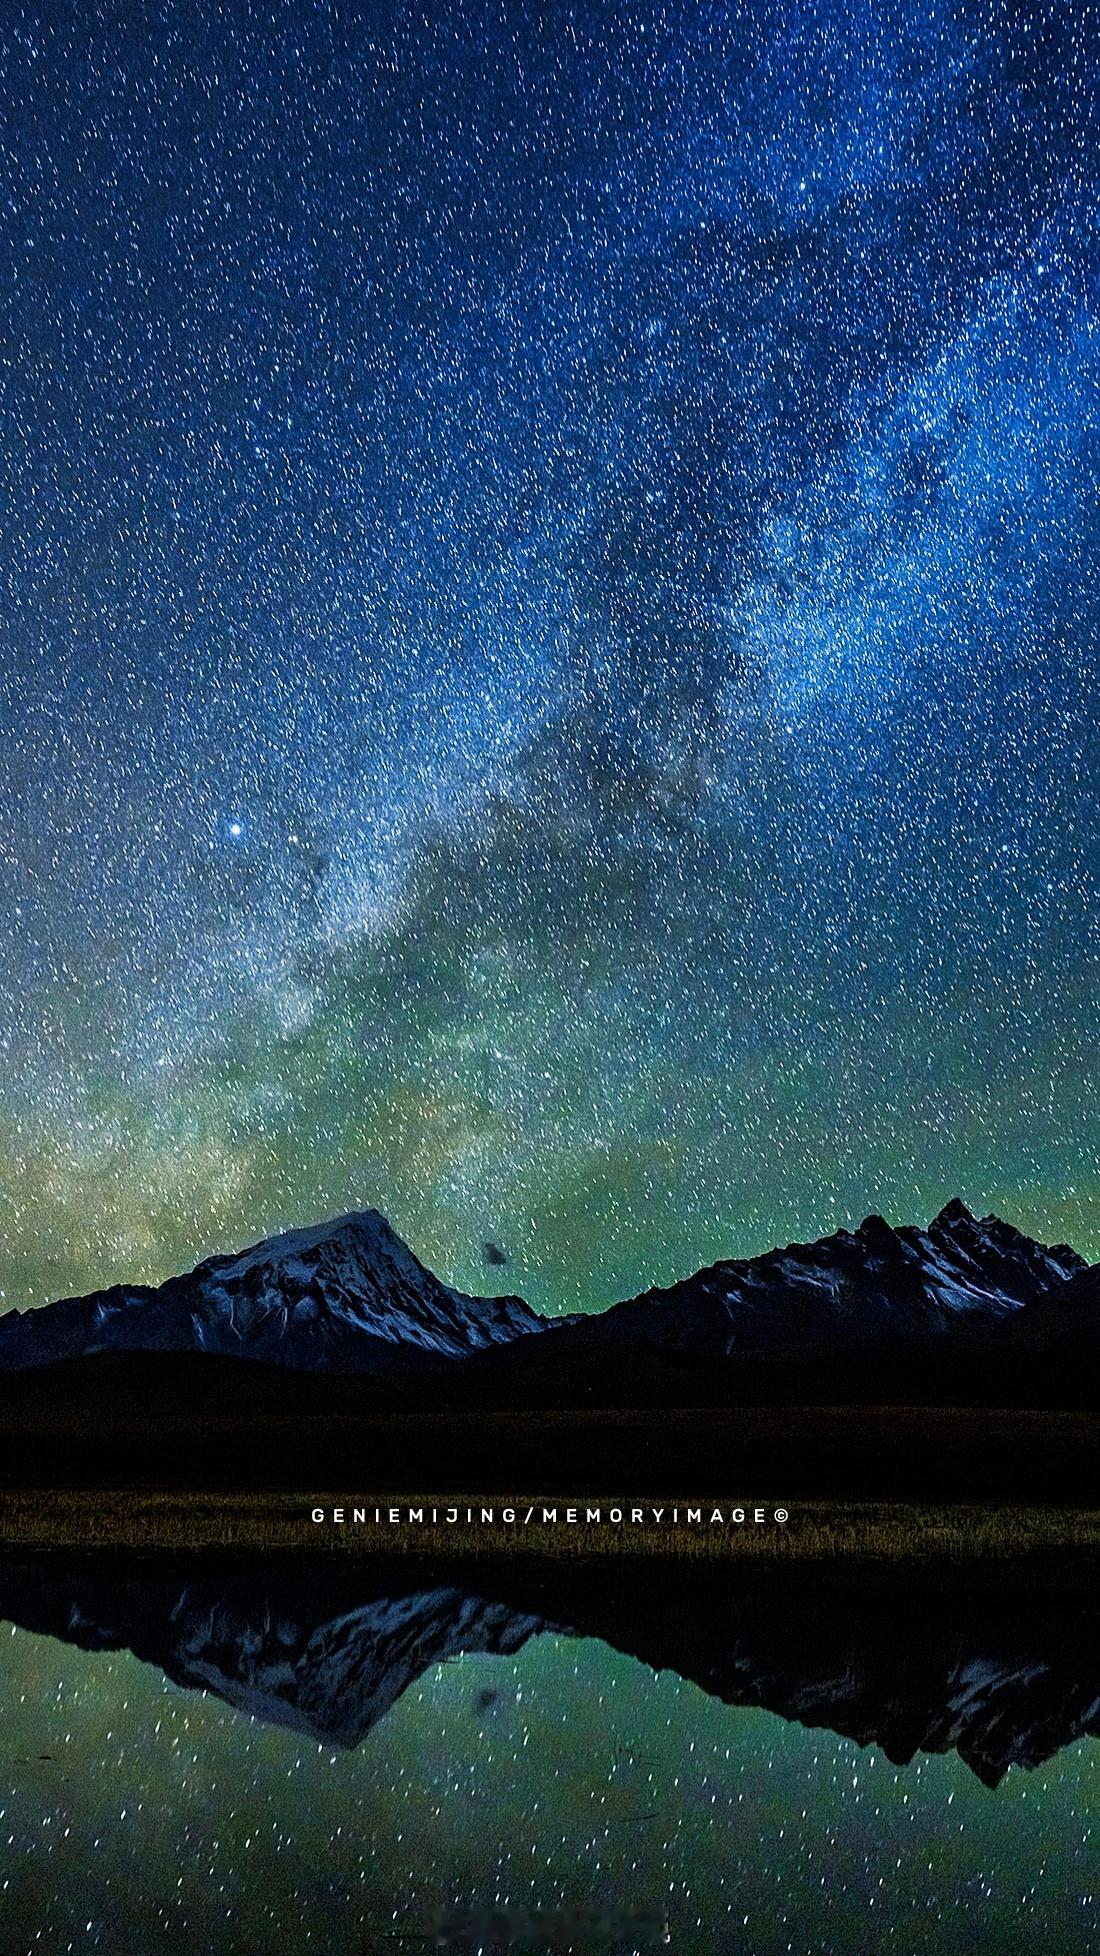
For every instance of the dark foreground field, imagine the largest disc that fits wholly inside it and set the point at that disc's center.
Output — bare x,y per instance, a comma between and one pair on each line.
157,1422
225,1425
877,1453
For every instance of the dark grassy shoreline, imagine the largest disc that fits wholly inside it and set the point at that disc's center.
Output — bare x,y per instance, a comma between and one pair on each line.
835,1538
144,1471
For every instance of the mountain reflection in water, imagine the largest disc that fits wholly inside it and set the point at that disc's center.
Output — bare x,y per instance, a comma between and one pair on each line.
327,1648
362,1755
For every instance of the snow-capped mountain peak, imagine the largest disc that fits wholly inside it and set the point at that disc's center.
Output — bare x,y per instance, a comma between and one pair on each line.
354,1272
345,1295
854,1286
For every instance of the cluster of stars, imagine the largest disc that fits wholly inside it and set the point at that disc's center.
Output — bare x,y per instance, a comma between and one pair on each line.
548,656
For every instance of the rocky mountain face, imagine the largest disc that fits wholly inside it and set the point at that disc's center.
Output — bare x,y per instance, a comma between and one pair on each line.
1003,1680
346,1296
350,1297
855,1287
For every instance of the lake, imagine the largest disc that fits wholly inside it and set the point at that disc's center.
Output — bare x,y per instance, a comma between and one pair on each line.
348,1755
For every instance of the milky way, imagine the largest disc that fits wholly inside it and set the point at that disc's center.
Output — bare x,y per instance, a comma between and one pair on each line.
548,644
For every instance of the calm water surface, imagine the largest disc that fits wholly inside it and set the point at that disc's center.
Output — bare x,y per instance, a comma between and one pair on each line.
406,1762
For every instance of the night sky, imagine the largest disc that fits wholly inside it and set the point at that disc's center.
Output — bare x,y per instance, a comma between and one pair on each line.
548,646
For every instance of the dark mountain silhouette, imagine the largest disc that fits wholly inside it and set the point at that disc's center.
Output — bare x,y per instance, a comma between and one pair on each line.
331,1358
349,1297
1001,1678
1065,1318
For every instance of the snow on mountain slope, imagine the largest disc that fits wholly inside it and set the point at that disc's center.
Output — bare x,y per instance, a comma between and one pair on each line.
348,1295
852,1286
352,1274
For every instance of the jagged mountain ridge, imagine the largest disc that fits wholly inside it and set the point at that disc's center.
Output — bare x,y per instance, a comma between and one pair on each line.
350,1296
874,1282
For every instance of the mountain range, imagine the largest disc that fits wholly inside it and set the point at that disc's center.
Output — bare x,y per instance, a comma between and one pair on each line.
348,1297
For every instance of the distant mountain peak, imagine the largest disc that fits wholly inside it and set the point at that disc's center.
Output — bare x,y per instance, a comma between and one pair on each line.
343,1295
955,1211
361,1234
875,1283
875,1229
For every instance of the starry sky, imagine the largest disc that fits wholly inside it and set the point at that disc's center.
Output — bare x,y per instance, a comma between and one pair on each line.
548,642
